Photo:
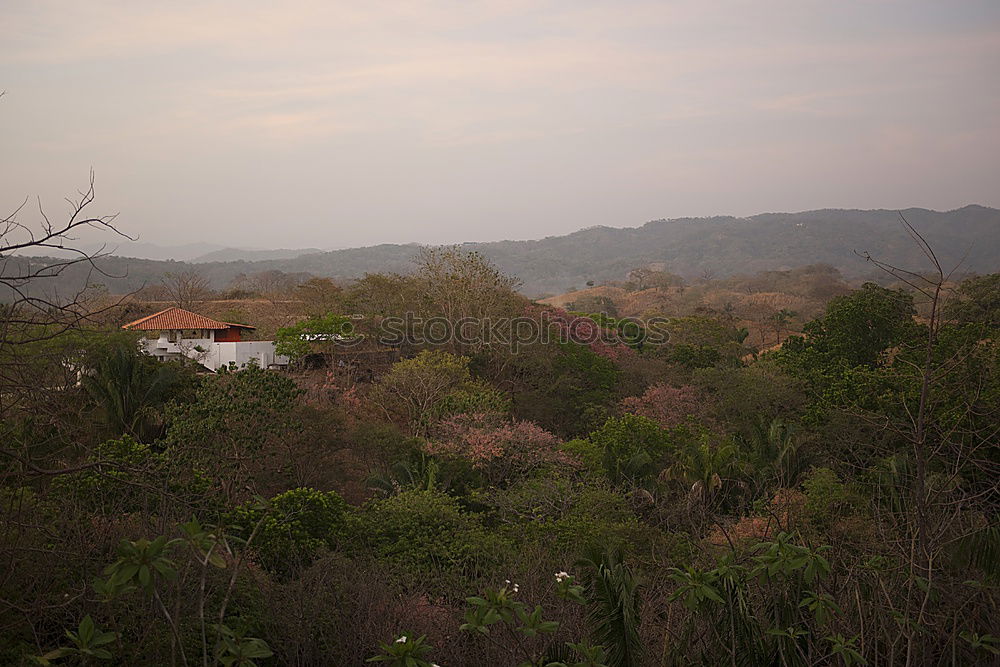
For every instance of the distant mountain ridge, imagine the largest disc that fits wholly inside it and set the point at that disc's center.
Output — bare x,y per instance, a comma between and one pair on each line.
692,247
189,252
241,254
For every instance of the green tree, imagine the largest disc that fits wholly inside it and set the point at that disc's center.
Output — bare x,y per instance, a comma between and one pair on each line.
321,332
431,538
566,388
293,528
858,327
420,390
976,301
130,388
233,416
633,449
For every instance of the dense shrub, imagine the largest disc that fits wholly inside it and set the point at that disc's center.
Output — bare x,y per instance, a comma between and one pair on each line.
633,449
826,497
431,538
294,527
127,476
570,517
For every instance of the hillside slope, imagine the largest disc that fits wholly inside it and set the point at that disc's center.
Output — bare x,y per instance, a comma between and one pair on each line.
691,247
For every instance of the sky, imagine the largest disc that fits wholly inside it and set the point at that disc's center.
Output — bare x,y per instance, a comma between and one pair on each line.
322,123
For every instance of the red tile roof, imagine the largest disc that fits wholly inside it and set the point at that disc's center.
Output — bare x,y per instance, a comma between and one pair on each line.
178,318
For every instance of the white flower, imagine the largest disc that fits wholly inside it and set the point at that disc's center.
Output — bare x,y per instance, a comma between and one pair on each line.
507,581
515,588
562,576
401,640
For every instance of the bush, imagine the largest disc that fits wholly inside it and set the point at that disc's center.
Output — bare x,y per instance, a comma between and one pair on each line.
589,455
127,472
432,539
296,528
633,449
474,396
826,497
572,516
597,517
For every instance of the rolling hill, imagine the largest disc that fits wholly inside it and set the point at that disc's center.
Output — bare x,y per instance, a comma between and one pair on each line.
691,247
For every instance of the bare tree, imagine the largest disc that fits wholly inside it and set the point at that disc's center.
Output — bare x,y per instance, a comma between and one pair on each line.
187,289
320,296
271,285
22,277
948,474
33,312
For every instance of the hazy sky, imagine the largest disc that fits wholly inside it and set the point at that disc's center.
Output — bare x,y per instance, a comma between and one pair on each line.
332,124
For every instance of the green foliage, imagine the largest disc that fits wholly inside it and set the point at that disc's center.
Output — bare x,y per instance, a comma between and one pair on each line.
589,656
911,506
567,388
633,449
234,416
777,456
233,649
473,397
783,559
405,651
417,471
846,650
430,537
294,527
976,301
694,356
705,471
628,330
88,641
318,332
501,606
498,611
587,452
418,390
123,473
702,342
985,644
744,396
696,588
242,407
826,497
770,610
139,565
858,327
113,485
130,387
574,516
596,517
613,590
979,549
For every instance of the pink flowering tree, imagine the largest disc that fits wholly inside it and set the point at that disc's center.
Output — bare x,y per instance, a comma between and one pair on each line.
668,406
583,330
503,451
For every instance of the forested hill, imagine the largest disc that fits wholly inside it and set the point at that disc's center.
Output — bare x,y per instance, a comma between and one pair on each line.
691,247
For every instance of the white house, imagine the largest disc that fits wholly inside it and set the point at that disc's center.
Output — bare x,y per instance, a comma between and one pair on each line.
213,344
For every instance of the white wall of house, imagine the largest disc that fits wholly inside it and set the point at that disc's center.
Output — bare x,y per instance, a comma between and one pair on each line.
212,355
261,351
